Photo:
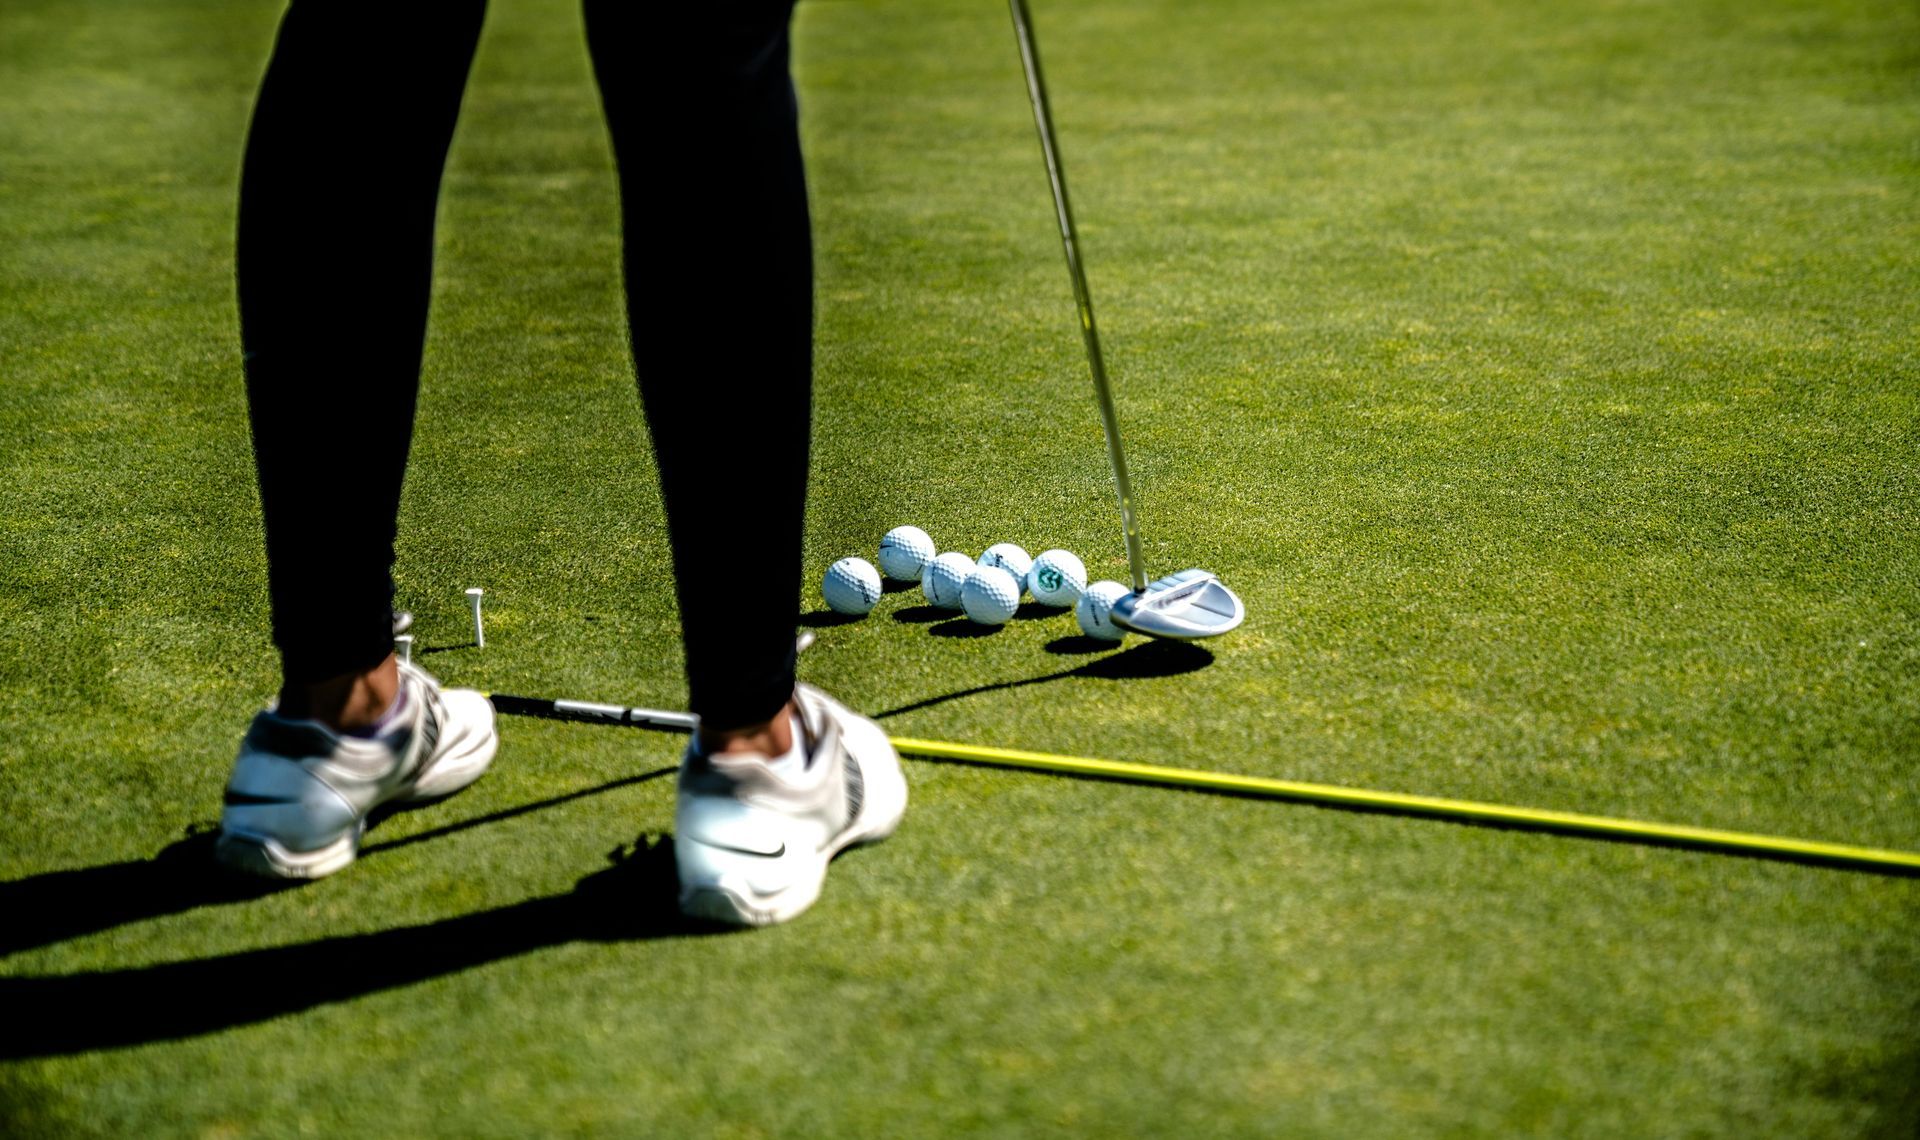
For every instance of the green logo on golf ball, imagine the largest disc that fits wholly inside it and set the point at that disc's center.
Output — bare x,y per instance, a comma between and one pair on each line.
1050,579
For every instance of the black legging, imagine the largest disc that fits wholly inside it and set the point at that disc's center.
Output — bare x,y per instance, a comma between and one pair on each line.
337,203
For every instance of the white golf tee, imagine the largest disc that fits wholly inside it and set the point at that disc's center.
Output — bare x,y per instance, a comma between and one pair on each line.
479,635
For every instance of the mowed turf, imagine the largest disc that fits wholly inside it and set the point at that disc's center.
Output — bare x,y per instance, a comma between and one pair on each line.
1546,378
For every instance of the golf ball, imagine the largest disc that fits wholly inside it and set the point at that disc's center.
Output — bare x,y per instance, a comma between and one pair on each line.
1095,611
944,577
851,586
990,595
1015,561
1058,578
904,553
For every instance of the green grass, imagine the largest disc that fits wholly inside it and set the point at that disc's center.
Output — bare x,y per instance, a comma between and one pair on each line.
1546,378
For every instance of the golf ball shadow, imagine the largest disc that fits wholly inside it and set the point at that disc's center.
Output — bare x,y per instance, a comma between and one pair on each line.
922,615
1034,611
963,627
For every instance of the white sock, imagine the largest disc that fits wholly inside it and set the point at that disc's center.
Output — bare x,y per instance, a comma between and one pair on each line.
386,719
793,759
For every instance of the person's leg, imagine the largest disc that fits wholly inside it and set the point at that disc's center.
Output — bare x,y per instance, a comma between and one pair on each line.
335,247
705,127
337,201
719,271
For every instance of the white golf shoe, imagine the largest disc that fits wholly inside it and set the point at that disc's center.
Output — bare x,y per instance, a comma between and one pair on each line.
753,837
298,799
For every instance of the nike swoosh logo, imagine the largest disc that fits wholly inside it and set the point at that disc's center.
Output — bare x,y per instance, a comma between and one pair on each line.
773,854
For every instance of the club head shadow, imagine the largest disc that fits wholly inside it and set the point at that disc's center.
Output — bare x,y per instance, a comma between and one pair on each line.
1187,606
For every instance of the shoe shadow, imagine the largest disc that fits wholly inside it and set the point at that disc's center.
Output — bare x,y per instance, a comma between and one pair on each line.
42,910
1154,659
634,899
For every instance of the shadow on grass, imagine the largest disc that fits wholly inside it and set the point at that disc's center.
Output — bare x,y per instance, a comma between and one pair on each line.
823,619
921,615
1154,659
430,650
44,909
1079,643
1037,611
634,899
960,626
963,628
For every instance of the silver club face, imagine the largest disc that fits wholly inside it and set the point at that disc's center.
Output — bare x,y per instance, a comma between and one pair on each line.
1186,606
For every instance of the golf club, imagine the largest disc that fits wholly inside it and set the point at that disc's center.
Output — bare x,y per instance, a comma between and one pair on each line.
1193,603
592,712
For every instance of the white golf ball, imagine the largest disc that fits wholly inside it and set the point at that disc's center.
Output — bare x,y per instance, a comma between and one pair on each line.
990,595
943,578
1058,578
905,552
1011,558
1095,610
851,586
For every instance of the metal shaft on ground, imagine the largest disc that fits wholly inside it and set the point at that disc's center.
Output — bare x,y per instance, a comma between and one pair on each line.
588,712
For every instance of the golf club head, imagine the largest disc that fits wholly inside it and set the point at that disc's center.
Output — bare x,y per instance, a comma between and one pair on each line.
1186,607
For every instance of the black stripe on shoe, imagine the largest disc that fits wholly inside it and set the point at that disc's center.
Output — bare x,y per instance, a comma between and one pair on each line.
856,789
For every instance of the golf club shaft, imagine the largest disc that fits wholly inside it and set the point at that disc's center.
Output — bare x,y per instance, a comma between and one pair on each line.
1057,178
1876,859
588,712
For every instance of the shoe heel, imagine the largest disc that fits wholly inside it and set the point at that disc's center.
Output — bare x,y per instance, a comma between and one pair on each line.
720,906
263,857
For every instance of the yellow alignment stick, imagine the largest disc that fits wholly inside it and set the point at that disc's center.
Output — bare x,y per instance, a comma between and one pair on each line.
1802,850
1532,819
